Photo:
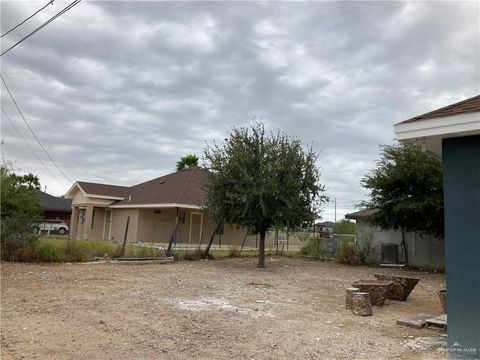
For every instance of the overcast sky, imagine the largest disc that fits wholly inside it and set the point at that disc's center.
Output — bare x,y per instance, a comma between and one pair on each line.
118,91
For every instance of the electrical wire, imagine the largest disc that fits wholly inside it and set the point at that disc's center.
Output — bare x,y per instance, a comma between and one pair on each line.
28,18
31,130
61,12
31,149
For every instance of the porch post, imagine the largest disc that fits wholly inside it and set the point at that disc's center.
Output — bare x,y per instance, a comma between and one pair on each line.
74,223
88,221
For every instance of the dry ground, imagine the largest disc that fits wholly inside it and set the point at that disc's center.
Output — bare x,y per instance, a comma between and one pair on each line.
222,309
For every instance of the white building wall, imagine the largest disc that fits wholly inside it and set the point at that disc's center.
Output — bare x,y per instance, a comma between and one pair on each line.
424,250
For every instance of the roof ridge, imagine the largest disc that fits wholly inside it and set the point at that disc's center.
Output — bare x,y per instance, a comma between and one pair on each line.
451,105
96,183
435,112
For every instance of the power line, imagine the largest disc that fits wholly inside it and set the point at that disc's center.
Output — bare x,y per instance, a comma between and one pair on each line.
61,12
31,130
31,149
28,18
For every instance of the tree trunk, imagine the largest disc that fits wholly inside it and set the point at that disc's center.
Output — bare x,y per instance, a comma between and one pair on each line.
261,250
205,254
405,251
125,237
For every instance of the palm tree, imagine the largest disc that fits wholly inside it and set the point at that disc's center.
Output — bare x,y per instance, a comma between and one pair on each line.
187,161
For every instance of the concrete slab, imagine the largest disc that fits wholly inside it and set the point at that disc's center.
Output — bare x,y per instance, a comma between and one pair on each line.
439,322
418,321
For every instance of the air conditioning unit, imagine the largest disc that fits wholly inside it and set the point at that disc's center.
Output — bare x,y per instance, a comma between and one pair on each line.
389,253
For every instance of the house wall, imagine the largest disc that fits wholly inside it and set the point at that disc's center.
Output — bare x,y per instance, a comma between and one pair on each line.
424,250
461,174
96,231
232,235
158,228
119,222
80,199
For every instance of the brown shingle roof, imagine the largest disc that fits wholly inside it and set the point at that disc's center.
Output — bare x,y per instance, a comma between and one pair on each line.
361,214
103,189
462,107
52,203
181,187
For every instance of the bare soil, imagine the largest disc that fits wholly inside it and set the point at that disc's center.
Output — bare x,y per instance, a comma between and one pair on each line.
220,309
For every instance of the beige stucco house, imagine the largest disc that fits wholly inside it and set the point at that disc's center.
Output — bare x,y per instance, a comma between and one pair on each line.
157,211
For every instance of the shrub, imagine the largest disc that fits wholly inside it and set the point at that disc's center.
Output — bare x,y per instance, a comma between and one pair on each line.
17,237
312,247
233,252
366,250
347,253
49,251
192,255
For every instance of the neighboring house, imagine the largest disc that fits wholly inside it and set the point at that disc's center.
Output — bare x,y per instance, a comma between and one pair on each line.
157,210
423,250
452,134
54,208
326,226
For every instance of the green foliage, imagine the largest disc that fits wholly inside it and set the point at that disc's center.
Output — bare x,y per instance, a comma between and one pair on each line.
344,227
19,210
233,252
347,253
18,194
407,189
61,250
186,161
49,251
259,181
312,247
365,250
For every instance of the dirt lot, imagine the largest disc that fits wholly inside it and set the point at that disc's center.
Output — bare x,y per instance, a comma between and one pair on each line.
222,309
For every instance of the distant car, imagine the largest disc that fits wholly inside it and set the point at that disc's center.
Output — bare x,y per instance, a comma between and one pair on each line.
55,226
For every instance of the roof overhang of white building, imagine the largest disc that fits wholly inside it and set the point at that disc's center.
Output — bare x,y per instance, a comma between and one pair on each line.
427,134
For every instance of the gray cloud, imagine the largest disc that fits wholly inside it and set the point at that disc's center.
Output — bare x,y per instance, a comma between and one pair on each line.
118,91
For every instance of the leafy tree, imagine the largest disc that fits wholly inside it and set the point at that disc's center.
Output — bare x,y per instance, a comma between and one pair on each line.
407,189
187,161
18,193
19,209
259,182
344,227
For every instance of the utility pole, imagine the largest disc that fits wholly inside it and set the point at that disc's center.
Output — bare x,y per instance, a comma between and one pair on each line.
335,210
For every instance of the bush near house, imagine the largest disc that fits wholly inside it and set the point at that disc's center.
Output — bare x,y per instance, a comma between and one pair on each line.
61,250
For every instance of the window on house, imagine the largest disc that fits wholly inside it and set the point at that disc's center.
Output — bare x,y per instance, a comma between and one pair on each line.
81,215
157,211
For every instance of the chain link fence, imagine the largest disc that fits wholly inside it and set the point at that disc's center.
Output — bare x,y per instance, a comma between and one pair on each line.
16,237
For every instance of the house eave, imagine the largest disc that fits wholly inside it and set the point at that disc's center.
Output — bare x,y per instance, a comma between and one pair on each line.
155,206
427,134
104,197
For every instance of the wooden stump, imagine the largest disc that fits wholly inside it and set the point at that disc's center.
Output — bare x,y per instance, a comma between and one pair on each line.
361,304
378,289
349,297
401,288
442,294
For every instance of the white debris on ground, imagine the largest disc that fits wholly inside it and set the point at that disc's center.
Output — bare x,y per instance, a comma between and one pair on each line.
427,343
259,308
204,304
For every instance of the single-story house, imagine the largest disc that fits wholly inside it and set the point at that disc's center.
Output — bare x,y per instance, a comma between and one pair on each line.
423,250
452,134
54,208
325,226
168,207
